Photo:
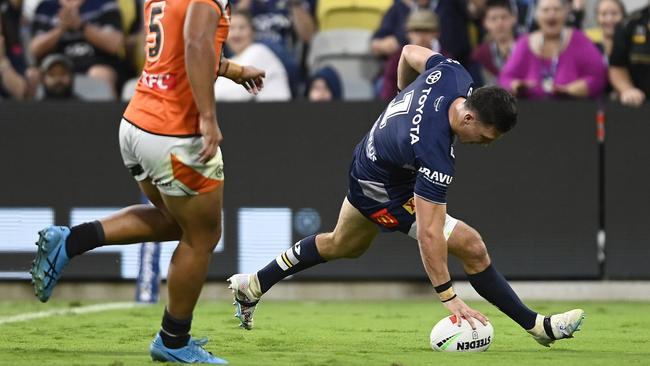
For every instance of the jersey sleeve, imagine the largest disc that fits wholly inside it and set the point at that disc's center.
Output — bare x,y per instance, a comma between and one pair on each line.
435,171
621,48
434,60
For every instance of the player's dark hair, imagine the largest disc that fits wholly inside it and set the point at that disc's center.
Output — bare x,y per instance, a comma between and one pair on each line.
494,106
506,4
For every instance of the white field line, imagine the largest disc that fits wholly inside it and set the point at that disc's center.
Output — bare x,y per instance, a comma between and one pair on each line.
68,311
14,275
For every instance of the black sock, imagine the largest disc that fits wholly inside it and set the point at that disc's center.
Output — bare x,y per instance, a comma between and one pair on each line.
494,288
83,238
175,333
302,255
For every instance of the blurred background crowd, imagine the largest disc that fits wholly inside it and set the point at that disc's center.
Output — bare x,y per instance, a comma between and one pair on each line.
323,50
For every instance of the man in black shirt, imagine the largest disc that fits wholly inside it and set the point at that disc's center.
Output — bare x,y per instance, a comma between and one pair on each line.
629,70
88,32
58,78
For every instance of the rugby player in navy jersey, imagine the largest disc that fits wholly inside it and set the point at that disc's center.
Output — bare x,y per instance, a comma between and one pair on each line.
403,166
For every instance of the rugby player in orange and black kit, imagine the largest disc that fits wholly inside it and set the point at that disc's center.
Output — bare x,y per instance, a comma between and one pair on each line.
169,140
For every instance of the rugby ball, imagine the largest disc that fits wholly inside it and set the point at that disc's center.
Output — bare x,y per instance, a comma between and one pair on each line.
447,336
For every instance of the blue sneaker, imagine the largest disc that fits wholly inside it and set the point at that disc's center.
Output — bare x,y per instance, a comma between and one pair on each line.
50,259
192,353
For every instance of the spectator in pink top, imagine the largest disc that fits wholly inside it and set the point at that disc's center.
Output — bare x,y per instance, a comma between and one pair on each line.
555,61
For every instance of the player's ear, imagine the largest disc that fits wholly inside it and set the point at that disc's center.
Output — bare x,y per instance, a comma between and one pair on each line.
469,118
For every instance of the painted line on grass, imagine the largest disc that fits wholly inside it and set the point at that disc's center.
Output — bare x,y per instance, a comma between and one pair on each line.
14,275
69,311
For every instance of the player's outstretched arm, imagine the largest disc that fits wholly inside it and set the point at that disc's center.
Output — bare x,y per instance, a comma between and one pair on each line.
433,250
251,78
200,26
411,64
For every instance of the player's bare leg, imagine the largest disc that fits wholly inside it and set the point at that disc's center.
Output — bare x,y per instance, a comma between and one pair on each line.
351,237
142,223
200,219
466,244
134,224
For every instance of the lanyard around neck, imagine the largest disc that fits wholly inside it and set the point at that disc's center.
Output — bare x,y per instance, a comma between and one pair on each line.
497,58
556,57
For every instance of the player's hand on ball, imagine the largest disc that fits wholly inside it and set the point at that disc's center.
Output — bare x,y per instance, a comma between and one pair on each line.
211,138
252,79
458,307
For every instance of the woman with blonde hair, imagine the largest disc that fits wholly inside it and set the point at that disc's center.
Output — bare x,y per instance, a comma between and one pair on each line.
609,14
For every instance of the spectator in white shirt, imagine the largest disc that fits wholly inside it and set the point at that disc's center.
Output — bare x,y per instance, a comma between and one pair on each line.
246,52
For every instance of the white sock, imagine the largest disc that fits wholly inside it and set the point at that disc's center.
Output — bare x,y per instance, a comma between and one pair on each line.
538,329
254,285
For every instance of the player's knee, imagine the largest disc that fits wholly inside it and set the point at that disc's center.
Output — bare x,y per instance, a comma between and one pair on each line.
477,258
327,248
173,229
474,248
204,240
477,249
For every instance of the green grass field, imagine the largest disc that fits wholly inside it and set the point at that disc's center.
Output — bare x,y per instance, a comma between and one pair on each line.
321,333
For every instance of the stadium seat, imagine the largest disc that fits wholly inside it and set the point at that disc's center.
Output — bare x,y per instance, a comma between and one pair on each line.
129,89
85,88
91,89
357,88
347,49
364,14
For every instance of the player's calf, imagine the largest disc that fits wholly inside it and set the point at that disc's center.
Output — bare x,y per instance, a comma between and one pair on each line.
333,246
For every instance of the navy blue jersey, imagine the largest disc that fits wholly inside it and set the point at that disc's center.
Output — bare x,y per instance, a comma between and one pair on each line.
410,147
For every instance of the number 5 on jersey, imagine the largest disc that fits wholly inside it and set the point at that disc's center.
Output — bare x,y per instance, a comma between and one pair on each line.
155,32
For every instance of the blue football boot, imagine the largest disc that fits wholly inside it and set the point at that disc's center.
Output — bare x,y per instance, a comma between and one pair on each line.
192,353
50,259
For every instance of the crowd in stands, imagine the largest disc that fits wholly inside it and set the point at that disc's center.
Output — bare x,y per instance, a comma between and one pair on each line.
322,50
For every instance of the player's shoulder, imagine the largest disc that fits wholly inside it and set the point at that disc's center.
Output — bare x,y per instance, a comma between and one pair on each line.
442,62
444,71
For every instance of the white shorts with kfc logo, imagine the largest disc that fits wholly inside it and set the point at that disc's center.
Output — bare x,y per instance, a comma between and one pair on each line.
170,162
